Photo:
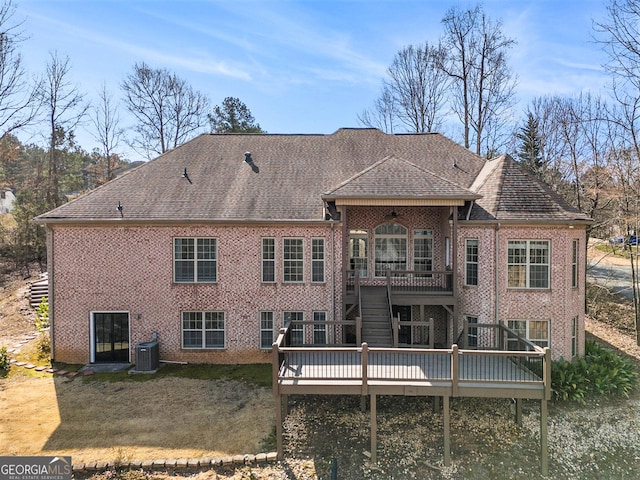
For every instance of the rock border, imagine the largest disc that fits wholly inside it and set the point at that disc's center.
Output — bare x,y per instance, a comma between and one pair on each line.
177,464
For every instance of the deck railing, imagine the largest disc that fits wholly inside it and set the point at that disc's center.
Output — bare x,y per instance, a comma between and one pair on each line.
404,281
471,368
409,281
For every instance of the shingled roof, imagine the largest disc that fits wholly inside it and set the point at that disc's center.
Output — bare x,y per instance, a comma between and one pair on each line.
509,192
397,178
286,181
290,175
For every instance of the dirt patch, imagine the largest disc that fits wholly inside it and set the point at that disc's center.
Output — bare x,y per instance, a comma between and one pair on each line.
124,421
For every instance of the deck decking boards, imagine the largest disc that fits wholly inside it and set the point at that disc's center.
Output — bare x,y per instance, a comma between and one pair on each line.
336,372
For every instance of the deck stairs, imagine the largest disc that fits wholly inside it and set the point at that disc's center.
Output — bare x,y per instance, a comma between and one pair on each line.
376,329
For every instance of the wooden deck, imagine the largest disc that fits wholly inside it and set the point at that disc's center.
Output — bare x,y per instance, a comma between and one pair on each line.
443,374
451,372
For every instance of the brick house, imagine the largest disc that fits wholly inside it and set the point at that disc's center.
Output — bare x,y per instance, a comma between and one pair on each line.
213,246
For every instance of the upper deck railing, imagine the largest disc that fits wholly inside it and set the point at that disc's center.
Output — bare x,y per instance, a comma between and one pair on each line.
405,281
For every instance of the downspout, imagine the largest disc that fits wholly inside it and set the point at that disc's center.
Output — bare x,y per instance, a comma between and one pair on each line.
50,284
470,208
333,271
496,274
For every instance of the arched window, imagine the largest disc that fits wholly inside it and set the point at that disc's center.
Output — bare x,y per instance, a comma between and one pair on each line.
390,248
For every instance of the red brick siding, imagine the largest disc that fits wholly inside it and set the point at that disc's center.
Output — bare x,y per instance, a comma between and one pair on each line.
558,305
130,269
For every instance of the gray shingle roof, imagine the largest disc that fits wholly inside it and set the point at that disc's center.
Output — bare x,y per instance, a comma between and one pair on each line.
509,192
290,174
393,177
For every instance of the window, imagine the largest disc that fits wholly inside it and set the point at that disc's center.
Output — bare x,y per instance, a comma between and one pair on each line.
536,331
574,336
320,331
574,264
195,260
358,252
292,258
266,329
317,259
390,248
528,263
422,250
472,332
297,330
268,260
471,261
202,329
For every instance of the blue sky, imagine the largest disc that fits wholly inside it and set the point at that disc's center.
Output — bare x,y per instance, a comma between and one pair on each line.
300,66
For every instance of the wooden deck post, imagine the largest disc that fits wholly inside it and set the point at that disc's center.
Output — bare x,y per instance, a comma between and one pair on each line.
447,430
455,370
519,411
365,367
278,399
544,447
374,429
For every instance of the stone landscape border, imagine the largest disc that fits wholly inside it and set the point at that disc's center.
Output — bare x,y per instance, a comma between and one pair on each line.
178,464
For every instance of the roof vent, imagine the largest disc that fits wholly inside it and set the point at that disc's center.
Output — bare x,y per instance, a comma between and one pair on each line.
249,161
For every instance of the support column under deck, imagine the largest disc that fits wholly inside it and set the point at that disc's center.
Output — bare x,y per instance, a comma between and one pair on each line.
447,430
374,428
544,447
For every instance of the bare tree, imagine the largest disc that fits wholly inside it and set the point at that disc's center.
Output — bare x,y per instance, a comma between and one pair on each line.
618,35
107,131
482,82
64,107
168,111
413,95
18,99
383,115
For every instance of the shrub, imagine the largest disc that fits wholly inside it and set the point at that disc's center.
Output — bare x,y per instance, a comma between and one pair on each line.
44,346
600,372
4,359
42,315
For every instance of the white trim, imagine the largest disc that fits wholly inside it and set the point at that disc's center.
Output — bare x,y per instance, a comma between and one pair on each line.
301,239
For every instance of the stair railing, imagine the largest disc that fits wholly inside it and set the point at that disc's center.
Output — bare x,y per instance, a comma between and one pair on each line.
393,323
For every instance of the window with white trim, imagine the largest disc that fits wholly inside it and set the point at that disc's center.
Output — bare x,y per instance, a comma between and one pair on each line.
195,260
292,260
574,264
528,264
203,330
266,330
471,261
358,252
317,260
423,250
536,331
390,248
297,330
268,260
320,331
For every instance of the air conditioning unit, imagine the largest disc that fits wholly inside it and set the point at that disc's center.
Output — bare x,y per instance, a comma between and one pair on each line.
147,357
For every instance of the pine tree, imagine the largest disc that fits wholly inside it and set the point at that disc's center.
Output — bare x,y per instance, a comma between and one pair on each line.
530,150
